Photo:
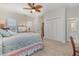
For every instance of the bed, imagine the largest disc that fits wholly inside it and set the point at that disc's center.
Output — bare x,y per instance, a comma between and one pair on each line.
21,44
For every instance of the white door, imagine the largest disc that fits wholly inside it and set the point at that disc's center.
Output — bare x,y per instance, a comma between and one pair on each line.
55,29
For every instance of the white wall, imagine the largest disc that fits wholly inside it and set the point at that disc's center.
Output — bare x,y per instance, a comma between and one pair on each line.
55,13
72,12
55,25
19,18
22,19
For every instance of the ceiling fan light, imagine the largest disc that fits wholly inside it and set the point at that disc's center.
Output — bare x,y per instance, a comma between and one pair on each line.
33,10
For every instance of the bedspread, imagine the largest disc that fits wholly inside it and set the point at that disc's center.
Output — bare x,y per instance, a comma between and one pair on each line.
19,40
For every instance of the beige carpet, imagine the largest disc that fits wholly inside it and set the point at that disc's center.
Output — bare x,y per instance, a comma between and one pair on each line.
54,48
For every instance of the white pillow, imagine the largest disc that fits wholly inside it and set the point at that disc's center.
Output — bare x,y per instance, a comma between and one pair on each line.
11,32
4,33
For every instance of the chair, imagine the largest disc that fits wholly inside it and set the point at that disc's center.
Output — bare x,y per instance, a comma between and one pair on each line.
75,50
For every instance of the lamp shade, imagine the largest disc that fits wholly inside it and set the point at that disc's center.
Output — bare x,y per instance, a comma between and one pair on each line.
2,23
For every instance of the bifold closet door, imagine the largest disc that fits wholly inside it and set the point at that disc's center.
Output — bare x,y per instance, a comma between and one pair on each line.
60,29
50,29
55,29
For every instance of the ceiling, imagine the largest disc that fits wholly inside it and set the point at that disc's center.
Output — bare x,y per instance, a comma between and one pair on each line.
54,6
18,7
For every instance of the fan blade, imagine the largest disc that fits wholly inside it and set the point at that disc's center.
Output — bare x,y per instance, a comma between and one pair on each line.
27,8
38,6
37,10
33,4
30,5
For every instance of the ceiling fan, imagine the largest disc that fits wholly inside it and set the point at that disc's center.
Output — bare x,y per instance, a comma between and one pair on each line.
34,7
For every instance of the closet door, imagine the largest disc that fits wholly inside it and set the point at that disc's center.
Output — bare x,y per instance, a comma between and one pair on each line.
50,29
60,29
55,29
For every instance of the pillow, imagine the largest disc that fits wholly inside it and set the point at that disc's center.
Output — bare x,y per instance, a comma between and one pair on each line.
11,32
4,33
21,29
0,36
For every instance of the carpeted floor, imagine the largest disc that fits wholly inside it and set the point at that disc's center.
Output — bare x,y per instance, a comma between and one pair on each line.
54,48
